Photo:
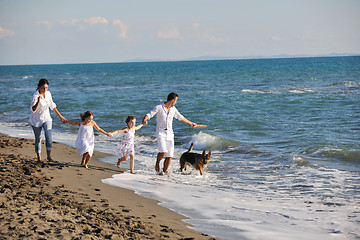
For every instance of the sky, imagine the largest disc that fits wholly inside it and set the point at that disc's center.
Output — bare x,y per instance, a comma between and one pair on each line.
88,31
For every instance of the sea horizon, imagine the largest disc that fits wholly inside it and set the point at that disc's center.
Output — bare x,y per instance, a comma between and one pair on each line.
202,58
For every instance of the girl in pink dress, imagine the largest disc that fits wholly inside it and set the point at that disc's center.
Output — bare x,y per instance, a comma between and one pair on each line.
126,146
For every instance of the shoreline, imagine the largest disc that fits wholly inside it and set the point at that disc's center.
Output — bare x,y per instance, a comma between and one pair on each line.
60,199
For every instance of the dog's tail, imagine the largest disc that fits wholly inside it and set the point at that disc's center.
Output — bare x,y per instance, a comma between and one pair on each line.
191,147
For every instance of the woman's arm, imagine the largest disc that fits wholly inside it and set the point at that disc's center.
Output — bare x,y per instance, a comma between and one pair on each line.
35,107
62,119
73,122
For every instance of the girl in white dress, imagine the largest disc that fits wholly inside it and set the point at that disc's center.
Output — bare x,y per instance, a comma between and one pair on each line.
126,146
85,138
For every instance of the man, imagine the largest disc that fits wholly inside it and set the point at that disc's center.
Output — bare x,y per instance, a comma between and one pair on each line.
165,113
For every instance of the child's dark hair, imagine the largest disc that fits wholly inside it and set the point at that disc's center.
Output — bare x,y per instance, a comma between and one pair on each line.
129,118
85,115
42,81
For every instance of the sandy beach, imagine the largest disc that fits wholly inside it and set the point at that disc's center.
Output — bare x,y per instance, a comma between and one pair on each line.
61,200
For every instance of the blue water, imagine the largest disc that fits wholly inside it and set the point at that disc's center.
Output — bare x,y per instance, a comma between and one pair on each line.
284,135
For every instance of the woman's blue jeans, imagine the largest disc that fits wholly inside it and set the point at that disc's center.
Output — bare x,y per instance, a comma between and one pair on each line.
47,126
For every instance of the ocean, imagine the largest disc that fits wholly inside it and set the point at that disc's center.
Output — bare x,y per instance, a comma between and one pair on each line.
284,136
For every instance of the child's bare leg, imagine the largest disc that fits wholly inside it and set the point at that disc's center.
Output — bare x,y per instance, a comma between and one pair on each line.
87,160
132,164
124,158
83,159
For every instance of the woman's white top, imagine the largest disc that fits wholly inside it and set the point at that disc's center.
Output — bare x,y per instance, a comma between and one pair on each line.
42,113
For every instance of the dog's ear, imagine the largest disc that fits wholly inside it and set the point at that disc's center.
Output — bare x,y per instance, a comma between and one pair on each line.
209,154
203,153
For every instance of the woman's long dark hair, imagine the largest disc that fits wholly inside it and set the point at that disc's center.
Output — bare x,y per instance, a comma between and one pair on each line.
42,81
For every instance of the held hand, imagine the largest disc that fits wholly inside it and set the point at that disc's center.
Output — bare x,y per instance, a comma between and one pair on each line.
144,123
193,125
109,134
63,120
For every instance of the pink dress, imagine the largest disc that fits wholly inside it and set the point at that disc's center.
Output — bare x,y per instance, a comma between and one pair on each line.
126,146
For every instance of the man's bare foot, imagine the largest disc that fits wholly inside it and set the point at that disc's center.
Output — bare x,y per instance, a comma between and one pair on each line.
86,166
119,163
132,172
157,167
50,159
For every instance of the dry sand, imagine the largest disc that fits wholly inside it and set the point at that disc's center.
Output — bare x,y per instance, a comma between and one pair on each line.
61,200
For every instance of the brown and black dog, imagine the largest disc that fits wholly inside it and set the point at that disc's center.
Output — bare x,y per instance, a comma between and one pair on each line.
198,161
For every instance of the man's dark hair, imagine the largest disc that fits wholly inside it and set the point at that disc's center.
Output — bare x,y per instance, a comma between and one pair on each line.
172,96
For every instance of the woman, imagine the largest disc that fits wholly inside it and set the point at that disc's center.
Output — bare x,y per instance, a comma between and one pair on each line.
40,117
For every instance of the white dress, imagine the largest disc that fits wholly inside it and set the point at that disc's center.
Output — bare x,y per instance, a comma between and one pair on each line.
85,140
126,146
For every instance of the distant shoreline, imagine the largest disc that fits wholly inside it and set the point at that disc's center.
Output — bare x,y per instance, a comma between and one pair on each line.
204,58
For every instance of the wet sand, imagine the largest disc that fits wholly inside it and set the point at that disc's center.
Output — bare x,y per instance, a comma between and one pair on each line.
62,200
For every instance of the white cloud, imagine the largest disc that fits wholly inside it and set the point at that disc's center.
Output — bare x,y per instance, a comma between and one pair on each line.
96,20
47,24
170,33
70,22
5,32
123,28
276,38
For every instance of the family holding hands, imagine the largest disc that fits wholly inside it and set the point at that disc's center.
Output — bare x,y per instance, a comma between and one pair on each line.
165,113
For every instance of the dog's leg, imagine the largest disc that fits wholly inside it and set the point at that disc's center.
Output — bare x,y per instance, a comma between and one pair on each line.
182,162
185,166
